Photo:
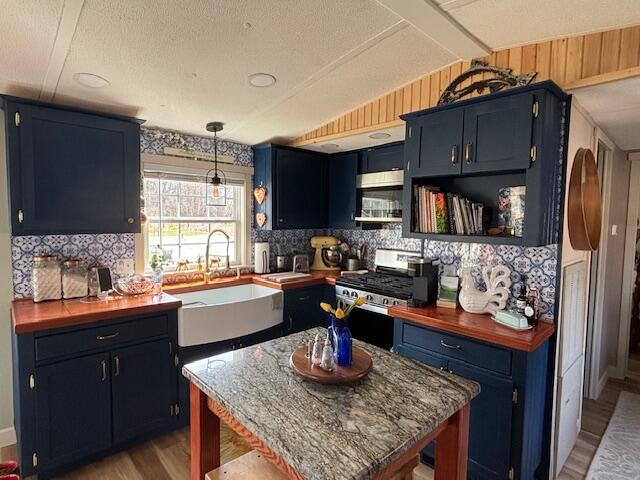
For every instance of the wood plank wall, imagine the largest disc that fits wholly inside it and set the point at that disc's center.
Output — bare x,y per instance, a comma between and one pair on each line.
570,62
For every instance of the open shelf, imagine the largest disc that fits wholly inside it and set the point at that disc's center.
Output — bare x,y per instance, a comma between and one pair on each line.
477,188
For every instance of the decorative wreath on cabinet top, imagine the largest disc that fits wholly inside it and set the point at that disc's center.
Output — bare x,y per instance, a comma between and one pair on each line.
584,202
504,78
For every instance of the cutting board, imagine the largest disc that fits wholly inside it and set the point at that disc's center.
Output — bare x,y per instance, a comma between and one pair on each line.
285,276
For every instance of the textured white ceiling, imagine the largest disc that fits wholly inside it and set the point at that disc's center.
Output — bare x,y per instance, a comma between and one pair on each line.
506,23
182,64
27,32
615,107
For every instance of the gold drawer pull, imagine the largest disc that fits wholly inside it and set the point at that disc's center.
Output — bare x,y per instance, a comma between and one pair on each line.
448,345
107,337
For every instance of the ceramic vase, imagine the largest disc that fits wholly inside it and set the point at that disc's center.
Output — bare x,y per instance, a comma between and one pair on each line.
497,281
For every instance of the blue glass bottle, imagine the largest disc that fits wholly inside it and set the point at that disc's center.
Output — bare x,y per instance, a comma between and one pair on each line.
341,341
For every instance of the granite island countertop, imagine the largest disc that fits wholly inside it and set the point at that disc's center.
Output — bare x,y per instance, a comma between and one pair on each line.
345,432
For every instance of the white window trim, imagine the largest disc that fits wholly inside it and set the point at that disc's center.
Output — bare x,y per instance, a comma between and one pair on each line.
170,164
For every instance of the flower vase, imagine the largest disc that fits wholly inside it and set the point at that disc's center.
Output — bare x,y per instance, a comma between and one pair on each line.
341,341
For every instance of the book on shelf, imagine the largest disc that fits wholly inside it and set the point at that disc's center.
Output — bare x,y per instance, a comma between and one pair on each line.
439,212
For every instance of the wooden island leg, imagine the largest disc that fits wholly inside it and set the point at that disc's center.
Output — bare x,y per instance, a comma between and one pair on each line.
205,435
452,447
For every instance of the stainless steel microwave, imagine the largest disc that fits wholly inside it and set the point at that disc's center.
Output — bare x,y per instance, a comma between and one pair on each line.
380,197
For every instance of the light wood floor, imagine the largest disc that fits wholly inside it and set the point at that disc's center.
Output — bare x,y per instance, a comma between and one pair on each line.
595,418
165,458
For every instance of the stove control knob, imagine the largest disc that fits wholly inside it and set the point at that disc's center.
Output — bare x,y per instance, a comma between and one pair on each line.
354,294
345,292
396,302
369,298
385,301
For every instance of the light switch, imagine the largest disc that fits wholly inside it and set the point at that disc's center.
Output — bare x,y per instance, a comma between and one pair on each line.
614,229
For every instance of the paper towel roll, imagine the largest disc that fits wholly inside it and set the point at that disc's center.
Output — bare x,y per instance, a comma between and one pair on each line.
261,257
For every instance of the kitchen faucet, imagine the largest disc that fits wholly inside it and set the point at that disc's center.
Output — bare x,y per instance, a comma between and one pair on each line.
207,267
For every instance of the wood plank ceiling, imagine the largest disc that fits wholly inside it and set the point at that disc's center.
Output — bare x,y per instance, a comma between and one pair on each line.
571,62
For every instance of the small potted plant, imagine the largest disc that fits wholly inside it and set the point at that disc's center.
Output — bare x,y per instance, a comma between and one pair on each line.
339,332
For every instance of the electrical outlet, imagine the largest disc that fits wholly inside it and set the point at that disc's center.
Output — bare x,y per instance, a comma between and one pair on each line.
614,230
124,266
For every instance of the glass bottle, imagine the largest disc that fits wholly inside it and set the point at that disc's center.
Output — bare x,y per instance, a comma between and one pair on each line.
341,341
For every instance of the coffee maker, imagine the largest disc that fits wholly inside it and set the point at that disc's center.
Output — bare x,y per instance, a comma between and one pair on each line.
424,272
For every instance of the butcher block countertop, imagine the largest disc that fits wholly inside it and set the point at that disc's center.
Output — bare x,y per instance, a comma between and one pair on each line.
473,325
28,316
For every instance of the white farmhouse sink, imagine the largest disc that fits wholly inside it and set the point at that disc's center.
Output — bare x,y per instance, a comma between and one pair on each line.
224,313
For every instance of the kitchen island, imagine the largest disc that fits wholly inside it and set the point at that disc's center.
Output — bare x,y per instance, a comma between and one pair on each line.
370,429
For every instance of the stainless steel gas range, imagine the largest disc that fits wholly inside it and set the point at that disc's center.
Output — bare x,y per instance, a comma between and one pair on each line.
385,287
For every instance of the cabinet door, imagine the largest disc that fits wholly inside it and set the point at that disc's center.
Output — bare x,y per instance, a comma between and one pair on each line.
439,135
342,170
76,173
383,158
301,199
497,135
302,309
73,410
490,423
144,389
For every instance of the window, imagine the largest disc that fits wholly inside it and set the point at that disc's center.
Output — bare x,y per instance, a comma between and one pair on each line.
179,219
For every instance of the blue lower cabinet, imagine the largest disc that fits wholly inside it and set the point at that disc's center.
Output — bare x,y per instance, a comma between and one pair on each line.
116,387
302,309
144,389
490,423
507,417
73,410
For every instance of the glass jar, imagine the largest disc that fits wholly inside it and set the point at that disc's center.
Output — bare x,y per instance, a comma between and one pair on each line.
74,278
94,284
45,278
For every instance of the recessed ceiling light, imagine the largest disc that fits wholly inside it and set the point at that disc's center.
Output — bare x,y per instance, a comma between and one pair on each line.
262,80
91,80
379,135
330,145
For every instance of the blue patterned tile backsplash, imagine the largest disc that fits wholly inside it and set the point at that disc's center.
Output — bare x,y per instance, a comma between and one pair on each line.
105,249
538,264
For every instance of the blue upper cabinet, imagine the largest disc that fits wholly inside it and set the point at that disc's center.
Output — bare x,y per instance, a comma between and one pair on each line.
382,158
295,181
435,142
342,170
488,136
71,171
498,134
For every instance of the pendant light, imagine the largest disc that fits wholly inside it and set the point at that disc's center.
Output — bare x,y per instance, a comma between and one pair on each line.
216,183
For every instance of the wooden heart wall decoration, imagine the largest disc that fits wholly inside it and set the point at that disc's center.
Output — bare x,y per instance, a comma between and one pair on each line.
260,193
261,219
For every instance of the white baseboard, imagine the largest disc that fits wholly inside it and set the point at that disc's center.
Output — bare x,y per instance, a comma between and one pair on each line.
7,437
602,381
616,372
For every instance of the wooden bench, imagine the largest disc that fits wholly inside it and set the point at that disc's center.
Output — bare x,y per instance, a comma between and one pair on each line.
253,466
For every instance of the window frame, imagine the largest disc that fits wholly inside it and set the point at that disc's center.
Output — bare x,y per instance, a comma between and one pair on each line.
198,168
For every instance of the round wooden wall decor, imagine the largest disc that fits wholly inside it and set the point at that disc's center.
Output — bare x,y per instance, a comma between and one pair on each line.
584,204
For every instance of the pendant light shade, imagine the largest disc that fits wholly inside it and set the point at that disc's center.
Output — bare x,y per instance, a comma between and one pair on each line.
216,179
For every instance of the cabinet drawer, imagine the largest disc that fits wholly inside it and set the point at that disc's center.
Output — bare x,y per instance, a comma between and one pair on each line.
79,341
422,356
492,358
